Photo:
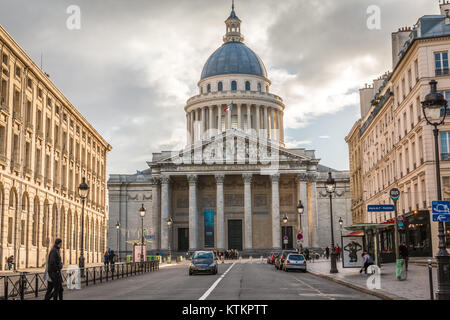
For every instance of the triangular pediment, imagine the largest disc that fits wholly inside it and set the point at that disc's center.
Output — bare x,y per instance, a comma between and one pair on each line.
234,147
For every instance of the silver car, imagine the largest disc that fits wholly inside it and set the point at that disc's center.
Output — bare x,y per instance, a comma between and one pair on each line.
294,262
203,262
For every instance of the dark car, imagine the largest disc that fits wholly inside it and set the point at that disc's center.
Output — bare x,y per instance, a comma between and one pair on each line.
272,257
203,262
280,259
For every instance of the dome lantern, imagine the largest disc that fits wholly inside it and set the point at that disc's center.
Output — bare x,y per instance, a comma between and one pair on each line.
233,25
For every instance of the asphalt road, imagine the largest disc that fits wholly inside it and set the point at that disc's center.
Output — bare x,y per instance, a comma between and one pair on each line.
246,280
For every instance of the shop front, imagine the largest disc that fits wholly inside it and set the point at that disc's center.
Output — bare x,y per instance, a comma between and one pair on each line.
416,233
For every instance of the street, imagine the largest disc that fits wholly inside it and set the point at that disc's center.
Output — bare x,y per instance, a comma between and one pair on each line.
245,280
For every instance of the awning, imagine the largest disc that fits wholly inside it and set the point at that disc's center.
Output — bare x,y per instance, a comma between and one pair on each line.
369,226
356,233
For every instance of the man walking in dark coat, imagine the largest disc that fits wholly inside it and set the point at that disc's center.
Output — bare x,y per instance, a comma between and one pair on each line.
404,254
54,266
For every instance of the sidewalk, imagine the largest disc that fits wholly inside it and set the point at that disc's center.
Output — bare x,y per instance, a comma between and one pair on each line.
415,287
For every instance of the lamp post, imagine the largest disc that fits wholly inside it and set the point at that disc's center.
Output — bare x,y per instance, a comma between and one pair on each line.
83,190
285,221
331,188
118,247
432,108
169,253
300,210
142,212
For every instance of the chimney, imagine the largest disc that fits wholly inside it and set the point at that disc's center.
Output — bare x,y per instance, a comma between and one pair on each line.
399,39
445,5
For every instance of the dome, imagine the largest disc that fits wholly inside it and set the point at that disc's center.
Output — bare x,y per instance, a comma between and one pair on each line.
233,58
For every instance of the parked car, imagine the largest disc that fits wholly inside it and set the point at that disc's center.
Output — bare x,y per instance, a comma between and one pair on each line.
280,259
272,257
203,262
294,262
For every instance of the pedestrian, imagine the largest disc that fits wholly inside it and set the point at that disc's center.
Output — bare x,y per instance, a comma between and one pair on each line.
367,261
307,257
338,253
404,253
10,262
111,258
54,267
327,252
106,259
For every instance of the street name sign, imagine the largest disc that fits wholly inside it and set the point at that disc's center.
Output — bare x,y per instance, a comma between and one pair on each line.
441,207
441,217
380,208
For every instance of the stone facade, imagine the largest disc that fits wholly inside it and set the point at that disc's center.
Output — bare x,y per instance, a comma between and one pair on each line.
233,184
46,147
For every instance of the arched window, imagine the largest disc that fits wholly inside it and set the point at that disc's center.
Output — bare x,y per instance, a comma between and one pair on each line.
201,90
220,86
233,85
247,85
208,88
259,86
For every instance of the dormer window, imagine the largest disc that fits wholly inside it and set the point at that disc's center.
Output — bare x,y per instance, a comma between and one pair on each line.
220,86
233,85
247,85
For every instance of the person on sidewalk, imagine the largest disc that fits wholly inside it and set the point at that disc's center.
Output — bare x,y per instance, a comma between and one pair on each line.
404,253
338,253
112,260
327,253
54,266
106,259
367,261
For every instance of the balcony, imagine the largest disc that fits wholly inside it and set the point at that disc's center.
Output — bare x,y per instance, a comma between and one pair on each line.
442,72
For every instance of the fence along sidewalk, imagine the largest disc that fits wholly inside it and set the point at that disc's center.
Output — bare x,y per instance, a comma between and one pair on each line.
18,286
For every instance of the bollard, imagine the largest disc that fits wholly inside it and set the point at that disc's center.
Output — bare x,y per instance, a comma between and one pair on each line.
101,275
5,283
87,277
430,273
37,286
94,274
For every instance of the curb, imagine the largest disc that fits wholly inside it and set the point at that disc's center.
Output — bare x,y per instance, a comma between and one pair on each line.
356,287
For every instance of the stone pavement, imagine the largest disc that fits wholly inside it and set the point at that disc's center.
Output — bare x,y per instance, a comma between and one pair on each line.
415,287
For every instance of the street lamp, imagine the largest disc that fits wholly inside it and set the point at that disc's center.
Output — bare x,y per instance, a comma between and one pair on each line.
331,188
83,191
432,107
142,212
285,221
300,210
169,254
118,247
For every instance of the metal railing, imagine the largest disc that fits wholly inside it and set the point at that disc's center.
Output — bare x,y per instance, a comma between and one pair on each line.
29,284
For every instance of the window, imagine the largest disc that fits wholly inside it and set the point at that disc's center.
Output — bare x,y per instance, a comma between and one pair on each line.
233,85
259,87
441,63
416,69
247,85
445,146
29,83
18,72
40,93
4,93
5,59
208,88
220,86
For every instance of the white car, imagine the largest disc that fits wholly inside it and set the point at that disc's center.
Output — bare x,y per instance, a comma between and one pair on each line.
294,262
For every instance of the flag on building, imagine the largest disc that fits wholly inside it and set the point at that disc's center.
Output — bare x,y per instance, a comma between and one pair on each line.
229,108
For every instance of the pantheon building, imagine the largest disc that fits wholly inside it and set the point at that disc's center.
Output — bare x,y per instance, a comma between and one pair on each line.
235,185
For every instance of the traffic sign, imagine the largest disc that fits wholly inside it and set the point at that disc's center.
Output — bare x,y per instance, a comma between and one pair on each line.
300,236
441,217
380,208
395,194
400,224
286,241
441,207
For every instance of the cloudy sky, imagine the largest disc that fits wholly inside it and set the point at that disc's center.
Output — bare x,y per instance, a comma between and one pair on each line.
133,64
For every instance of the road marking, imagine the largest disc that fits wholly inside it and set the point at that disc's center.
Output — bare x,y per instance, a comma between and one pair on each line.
208,292
319,293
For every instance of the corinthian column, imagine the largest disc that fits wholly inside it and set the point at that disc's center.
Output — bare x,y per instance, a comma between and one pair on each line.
155,211
303,196
313,216
211,122
220,213
249,118
266,122
219,119
239,109
193,215
276,228
248,243
165,182
258,119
